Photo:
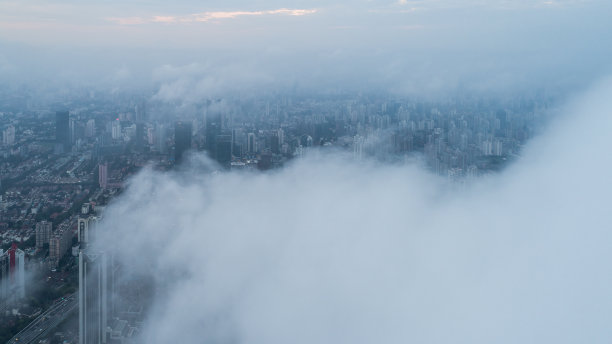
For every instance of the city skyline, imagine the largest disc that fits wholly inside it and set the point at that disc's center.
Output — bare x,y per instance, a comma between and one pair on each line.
369,171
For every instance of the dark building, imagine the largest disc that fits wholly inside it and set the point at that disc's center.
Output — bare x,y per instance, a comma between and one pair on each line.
139,139
4,278
182,140
265,162
213,128
251,141
274,143
223,149
62,131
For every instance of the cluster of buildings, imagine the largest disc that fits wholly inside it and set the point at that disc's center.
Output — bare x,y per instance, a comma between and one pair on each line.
102,142
59,168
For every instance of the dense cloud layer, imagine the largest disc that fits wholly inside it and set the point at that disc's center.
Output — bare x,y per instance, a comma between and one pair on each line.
327,250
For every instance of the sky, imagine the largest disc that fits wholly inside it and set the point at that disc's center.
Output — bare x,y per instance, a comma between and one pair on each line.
329,250
404,47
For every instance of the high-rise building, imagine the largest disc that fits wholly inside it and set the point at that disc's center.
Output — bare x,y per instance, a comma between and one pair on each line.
90,128
12,274
251,142
8,135
223,153
281,136
72,130
4,278
59,243
103,175
86,229
274,143
43,233
96,289
182,140
161,137
62,131
18,272
139,136
116,130
213,128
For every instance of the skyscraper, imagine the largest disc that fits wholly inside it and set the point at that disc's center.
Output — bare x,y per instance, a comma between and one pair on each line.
18,273
59,243
251,142
139,138
90,128
8,135
86,228
43,233
182,140
116,130
62,131
12,274
213,128
95,296
223,147
103,175
160,137
72,131
4,278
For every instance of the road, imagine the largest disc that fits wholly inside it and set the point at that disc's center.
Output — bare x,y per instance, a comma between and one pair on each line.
47,321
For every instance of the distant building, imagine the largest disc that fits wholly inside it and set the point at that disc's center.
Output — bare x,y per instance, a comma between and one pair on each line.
281,136
116,130
161,138
150,136
223,150
59,243
213,128
62,131
251,142
182,140
139,135
72,131
103,175
90,128
8,135
43,233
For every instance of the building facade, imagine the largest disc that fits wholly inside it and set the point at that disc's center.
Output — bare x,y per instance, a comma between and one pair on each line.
44,230
96,281
59,243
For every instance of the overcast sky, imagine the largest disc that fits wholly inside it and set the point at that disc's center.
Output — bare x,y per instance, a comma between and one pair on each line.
401,46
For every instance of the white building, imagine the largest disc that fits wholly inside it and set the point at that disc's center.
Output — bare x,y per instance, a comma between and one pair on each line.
86,228
116,130
12,275
8,135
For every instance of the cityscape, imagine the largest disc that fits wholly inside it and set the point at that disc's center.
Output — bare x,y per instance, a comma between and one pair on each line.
378,172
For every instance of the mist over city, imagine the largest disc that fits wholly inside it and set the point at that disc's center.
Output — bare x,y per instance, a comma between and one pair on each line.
426,171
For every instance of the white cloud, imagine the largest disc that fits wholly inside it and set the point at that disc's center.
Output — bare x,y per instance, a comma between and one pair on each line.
328,251
209,16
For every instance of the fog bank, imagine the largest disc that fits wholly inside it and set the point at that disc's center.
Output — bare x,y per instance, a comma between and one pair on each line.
327,250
